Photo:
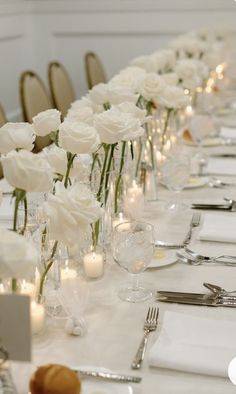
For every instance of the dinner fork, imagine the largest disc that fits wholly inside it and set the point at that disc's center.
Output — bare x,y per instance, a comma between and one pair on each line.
150,324
195,221
199,256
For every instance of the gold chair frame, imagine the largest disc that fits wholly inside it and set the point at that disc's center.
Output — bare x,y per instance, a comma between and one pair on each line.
3,118
92,56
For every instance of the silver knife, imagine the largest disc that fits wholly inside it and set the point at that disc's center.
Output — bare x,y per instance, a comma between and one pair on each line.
229,155
190,301
109,376
224,207
197,296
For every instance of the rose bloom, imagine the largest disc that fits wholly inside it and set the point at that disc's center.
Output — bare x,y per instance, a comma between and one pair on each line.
115,125
170,78
80,114
70,212
18,257
151,86
46,122
27,171
78,137
173,97
129,77
165,60
111,94
146,62
57,158
16,136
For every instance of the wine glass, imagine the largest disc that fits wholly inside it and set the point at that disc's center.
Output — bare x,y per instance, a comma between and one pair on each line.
133,248
201,127
175,173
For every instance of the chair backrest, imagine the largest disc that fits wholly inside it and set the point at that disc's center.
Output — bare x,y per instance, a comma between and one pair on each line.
94,70
34,99
3,118
61,87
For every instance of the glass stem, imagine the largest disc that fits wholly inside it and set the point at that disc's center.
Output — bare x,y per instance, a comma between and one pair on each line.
135,282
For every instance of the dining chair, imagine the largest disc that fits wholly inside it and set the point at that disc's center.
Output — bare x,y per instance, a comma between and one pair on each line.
34,98
94,70
3,118
61,87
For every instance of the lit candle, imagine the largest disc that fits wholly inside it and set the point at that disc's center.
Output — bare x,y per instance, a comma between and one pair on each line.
2,290
37,313
68,273
135,190
27,288
189,110
119,219
93,265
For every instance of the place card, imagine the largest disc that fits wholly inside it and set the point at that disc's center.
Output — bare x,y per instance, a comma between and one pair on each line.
15,334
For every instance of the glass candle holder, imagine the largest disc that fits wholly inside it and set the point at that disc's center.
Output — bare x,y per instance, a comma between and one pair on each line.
37,315
93,263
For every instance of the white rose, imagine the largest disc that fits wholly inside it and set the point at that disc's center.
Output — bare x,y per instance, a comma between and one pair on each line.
170,78
84,114
71,212
46,122
128,78
165,60
78,137
57,158
151,86
99,94
115,125
173,97
187,71
146,62
134,111
18,256
27,171
16,136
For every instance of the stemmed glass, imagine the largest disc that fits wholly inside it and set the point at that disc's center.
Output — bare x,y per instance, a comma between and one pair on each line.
133,248
201,127
175,172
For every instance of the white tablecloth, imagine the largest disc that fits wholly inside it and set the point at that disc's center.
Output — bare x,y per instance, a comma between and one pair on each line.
115,327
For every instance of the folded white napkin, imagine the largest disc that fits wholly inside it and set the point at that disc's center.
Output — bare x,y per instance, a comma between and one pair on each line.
219,228
221,166
193,344
228,132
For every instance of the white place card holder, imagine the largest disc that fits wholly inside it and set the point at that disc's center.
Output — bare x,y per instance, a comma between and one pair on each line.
15,332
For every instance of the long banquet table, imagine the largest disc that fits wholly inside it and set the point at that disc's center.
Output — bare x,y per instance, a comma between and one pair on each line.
115,327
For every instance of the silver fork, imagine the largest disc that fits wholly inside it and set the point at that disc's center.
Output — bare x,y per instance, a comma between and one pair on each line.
200,257
150,324
195,221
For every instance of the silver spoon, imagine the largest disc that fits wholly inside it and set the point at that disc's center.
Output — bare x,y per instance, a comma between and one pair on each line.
199,256
217,289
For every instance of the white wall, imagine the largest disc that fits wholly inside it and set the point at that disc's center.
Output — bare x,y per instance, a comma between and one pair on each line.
33,32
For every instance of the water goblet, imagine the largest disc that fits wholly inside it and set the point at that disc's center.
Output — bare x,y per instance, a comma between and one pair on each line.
133,248
175,172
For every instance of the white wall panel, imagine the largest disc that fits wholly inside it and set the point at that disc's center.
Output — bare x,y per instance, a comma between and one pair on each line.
34,32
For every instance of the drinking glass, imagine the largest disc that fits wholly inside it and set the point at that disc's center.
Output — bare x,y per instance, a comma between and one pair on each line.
133,248
175,172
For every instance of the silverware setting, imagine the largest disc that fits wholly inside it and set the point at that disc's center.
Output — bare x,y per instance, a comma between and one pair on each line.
224,155
199,256
218,297
166,245
229,206
119,378
150,324
195,222
189,259
218,183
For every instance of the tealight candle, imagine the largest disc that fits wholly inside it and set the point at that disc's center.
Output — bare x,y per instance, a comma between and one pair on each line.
37,313
119,219
93,265
27,288
68,273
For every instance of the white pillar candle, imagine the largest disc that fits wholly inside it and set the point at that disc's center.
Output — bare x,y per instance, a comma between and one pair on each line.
2,290
27,288
37,313
93,265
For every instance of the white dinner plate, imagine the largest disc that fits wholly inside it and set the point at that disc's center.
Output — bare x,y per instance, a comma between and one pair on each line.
196,181
99,386
162,258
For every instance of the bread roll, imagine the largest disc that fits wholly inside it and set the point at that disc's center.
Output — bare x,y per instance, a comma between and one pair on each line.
54,379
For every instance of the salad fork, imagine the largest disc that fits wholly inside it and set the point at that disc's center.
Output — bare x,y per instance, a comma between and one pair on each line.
195,221
150,324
